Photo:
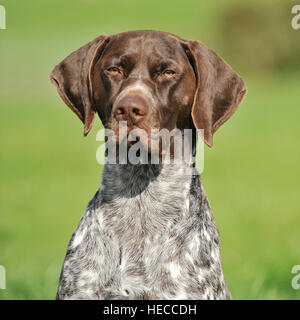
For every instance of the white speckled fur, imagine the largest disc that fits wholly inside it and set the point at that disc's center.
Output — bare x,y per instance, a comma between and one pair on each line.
140,238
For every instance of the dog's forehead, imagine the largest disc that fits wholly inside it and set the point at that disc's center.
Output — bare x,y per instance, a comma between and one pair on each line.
155,43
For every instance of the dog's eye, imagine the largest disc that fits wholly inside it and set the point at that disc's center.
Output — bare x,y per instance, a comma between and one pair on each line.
114,70
168,73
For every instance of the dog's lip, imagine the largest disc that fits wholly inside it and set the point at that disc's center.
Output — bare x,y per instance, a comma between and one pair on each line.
133,127
127,130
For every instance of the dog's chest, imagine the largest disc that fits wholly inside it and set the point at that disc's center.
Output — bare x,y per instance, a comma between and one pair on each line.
160,251
167,249
148,228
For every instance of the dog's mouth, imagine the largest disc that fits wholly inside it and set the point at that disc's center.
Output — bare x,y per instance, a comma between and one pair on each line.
142,137
136,145
152,140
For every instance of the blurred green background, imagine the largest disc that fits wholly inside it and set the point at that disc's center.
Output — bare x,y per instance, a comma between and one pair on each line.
49,171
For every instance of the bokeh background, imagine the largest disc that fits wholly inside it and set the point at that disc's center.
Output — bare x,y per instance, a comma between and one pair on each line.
48,170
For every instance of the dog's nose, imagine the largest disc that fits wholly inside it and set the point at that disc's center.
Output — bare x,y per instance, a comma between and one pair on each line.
131,108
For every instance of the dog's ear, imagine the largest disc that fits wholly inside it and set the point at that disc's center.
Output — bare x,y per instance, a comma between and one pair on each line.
219,91
71,78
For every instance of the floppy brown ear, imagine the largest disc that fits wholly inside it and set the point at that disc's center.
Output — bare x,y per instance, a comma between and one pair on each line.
71,78
219,92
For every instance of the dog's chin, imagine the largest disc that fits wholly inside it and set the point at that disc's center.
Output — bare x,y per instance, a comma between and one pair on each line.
141,142
133,136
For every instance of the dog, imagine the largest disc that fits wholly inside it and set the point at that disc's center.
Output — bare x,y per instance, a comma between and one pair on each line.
149,232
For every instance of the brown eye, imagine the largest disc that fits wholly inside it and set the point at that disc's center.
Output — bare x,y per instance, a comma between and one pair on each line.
114,70
168,73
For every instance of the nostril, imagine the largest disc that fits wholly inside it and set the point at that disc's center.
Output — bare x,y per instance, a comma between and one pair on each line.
120,111
137,112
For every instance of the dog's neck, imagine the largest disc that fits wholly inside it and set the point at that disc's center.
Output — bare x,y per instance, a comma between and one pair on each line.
153,197
129,181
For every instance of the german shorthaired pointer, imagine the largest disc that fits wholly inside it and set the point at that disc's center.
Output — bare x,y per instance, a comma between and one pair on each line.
149,232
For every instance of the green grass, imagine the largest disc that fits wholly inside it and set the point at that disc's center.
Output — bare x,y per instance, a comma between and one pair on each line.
49,171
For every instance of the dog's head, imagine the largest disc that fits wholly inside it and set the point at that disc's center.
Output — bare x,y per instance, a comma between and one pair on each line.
149,79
